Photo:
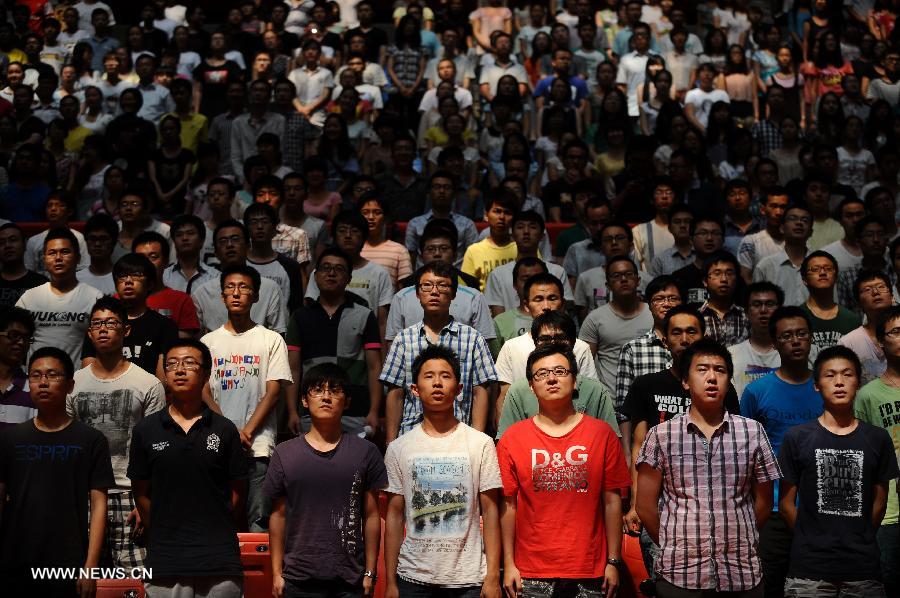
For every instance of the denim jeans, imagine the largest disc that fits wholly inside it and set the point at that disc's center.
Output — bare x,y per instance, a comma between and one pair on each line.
562,588
409,589
259,507
775,554
664,589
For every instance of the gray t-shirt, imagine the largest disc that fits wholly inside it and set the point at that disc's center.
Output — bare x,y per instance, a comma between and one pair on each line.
371,282
268,311
501,290
469,307
610,331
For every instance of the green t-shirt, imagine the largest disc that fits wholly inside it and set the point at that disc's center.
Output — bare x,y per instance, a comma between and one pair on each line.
509,324
590,398
879,404
827,333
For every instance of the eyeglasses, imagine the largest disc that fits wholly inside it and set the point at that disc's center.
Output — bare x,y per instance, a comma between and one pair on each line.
17,337
318,393
241,289
544,373
723,274
670,299
442,287
332,269
876,289
132,277
614,238
231,240
800,335
51,376
437,249
554,339
817,269
893,333
188,365
617,276
803,219
761,304
109,324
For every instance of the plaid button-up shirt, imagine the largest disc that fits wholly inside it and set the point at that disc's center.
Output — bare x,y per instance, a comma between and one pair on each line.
476,367
707,525
292,242
846,280
730,330
644,355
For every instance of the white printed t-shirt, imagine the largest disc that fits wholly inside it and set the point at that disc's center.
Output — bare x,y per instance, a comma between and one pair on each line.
60,320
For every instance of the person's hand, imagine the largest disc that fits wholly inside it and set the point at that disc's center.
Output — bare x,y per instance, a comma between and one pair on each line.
293,423
632,521
490,588
368,585
137,528
372,421
610,581
86,588
512,581
246,439
391,590
277,586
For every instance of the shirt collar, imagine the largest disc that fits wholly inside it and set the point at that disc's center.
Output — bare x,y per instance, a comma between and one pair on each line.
18,383
168,422
691,426
707,308
452,327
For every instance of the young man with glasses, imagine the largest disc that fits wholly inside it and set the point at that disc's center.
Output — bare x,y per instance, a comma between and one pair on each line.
756,356
563,473
708,236
653,238
336,329
873,240
168,302
607,328
250,366
726,322
59,493
16,336
441,189
100,233
61,307
784,267
830,321
15,279
441,476
591,285
149,332
187,465
731,469
113,395
779,401
876,404
873,292
290,275
436,287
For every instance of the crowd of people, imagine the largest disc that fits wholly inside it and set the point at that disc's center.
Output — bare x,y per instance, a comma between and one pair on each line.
532,274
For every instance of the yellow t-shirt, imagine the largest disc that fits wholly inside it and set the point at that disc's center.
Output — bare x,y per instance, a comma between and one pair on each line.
194,130
75,139
484,256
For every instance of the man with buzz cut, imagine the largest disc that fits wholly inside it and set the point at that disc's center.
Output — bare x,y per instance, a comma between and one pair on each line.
250,366
704,511
563,473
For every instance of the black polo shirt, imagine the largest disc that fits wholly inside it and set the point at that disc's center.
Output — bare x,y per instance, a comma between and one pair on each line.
192,531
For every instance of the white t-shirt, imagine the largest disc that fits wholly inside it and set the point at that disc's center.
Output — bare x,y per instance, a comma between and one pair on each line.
513,358
60,320
852,167
34,252
372,282
268,310
445,551
85,10
702,101
591,290
650,240
500,288
632,70
242,364
610,331
755,247
750,364
845,259
870,354
114,407
105,284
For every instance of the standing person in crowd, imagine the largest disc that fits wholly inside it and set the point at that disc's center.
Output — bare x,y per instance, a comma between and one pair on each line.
847,251
830,321
441,459
335,328
100,233
61,307
262,222
743,477
834,491
15,278
544,493
784,266
779,400
708,234
16,336
872,291
757,356
498,247
168,302
326,471
250,369
759,245
726,321
188,271
436,285
71,483
873,238
187,464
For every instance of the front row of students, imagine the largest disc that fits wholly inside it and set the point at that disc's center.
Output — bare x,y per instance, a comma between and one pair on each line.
548,497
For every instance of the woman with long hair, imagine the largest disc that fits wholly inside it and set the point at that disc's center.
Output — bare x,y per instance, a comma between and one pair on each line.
541,45
828,67
188,60
818,23
92,116
879,129
82,56
379,248
406,68
856,164
169,169
829,124
337,151
715,49
789,78
650,109
114,185
320,201
606,82
739,82
788,155
718,130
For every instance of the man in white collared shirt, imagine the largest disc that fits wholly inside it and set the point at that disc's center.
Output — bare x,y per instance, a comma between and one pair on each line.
157,99
783,268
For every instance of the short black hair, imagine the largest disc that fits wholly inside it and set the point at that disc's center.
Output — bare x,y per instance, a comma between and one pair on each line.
717,257
57,354
231,223
837,352
864,222
110,303
350,218
268,180
135,263
442,269
705,346
503,198
16,315
786,312
337,252
262,209
189,220
193,343
867,274
325,375
228,183
102,222
615,260
684,308
151,236
544,278
618,224
528,262
763,286
660,283
546,351
819,253
435,352
890,314
440,228
528,216
244,270
63,233
554,319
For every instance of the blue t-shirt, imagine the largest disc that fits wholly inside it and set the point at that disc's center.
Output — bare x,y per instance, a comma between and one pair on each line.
780,405
577,83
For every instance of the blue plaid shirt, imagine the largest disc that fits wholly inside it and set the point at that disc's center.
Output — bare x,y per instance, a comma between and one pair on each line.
476,367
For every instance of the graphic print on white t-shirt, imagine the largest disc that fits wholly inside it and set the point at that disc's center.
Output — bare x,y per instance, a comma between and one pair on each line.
839,482
442,485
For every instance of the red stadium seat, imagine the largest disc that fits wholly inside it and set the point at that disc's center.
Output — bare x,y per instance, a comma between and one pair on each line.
257,564
120,588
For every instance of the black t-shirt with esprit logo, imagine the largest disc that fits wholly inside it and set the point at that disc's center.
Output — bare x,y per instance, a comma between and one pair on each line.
192,530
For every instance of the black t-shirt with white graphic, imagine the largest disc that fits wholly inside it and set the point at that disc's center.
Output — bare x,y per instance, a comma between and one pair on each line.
151,333
834,539
656,398
11,290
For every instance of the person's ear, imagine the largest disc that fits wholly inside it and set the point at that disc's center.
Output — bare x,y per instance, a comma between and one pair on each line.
414,388
304,402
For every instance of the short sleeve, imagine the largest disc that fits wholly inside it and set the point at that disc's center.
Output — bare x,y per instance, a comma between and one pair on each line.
237,459
394,471
483,370
481,318
507,468
138,466
492,291
395,319
887,464
590,332
394,371
274,486
187,315
490,467
787,459
278,369
376,473
748,402
616,474
292,337
385,288
101,464
155,400
651,452
766,466
371,336
504,367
